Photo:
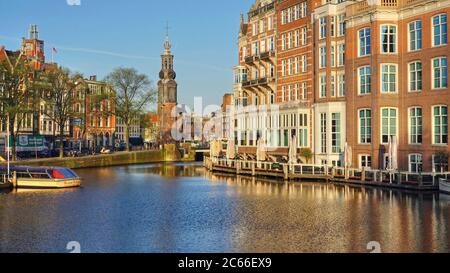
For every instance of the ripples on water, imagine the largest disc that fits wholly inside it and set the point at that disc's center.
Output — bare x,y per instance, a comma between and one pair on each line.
180,208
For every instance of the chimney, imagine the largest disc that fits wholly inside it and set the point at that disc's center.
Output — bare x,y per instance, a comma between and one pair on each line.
93,78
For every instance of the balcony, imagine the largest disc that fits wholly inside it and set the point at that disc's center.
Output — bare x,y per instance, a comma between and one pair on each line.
258,82
370,5
249,60
251,83
267,55
261,10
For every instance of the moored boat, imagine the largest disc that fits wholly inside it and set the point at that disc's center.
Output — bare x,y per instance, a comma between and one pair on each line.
444,186
43,177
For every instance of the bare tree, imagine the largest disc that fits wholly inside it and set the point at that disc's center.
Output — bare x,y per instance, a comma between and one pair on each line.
57,87
134,92
16,103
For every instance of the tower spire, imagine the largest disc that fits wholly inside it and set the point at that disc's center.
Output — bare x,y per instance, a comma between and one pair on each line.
167,44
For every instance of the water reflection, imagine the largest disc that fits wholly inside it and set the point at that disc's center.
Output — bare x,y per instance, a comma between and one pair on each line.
182,208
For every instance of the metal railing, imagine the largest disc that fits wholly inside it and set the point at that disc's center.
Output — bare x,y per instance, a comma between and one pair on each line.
349,174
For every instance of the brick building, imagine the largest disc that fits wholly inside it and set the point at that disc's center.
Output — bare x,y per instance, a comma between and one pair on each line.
357,72
397,76
95,124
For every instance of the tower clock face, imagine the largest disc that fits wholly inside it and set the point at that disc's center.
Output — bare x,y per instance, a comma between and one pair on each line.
172,75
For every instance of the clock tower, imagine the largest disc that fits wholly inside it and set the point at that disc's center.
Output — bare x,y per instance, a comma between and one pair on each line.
167,94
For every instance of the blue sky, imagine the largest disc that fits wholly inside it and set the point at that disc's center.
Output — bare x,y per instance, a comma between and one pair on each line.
99,35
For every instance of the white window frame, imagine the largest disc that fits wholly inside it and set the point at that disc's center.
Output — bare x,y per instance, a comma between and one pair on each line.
360,161
410,135
322,57
366,47
389,121
433,42
323,86
360,138
395,40
417,163
366,76
416,71
396,78
416,31
323,21
433,125
433,73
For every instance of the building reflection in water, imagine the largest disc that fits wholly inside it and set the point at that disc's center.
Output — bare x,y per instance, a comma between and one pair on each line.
321,217
183,208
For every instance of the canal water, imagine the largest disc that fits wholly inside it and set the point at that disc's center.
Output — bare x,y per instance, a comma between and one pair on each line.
182,208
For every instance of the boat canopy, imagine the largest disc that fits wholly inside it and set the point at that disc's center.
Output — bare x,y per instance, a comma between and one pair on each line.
57,173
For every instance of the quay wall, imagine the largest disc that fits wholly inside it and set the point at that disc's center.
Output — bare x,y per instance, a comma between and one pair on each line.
168,154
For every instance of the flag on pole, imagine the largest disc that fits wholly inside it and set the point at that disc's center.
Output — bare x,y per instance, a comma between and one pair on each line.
54,51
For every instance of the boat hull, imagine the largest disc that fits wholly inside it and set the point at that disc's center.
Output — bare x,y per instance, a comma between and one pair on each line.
444,186
48,183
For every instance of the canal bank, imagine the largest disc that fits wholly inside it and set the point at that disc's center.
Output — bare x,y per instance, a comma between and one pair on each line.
323,173
168,154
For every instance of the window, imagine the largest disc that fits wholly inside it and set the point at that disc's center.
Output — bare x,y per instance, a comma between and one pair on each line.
255,48
283,68
440,73
364,42
415,163
388,39
415,77
341,54
283,17
388,124
323,86
261,26
440,162
336,132
283,42
341,85
440,125
365,80
323,57
304,9
297,65
289,40
333,85
388,78
270,23
440,30
297,37
323,28
365,161
415,125
341,30
304,36
304,63
304,90
332,26
415,35
333,56
272,43
323,132
291,66
365,126
291,15
303,131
